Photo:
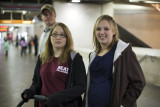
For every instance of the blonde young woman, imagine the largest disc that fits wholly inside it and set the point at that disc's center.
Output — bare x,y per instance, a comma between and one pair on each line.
60,72
115,78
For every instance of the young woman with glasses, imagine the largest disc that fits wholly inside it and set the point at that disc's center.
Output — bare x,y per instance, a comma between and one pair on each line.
59,73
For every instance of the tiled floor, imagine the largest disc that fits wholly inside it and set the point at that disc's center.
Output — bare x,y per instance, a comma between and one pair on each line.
16,73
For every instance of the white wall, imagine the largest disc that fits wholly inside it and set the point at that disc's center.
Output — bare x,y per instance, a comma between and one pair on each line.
39,28
80,18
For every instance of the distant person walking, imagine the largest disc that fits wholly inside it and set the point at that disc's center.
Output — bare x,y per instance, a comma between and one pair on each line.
48,16
17,41
6,46
35,45
23,45
30,44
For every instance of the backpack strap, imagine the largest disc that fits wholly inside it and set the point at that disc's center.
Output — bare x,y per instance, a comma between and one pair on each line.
91,56
73,54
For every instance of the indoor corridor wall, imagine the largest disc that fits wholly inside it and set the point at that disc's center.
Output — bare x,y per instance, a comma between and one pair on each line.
80,18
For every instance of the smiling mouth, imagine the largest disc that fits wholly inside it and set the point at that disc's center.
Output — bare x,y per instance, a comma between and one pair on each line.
102,37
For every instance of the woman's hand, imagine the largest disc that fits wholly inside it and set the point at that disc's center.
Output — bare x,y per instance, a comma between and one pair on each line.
27,94
24,96
121,106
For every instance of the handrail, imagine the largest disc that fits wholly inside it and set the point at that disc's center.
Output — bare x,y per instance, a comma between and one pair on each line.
146,56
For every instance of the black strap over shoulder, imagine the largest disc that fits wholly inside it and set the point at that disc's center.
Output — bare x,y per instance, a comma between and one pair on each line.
73,54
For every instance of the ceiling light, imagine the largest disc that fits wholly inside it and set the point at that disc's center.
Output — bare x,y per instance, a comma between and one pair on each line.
77,1
33,20
24,12
3,11
150,1
11,29
133,0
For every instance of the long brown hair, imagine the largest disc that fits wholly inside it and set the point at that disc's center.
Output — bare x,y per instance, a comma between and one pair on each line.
113,27
48,53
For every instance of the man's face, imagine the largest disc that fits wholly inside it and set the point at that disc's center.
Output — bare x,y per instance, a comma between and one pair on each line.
48,17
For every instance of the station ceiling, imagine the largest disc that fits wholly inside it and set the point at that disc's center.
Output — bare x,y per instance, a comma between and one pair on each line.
27,9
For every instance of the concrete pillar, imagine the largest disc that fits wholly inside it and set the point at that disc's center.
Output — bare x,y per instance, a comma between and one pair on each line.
108,8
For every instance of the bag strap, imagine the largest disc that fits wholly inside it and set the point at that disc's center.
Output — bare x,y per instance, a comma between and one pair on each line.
73,54
91,56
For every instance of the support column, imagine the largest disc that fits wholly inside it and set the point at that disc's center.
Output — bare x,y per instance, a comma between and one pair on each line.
11,16
21,16
108,9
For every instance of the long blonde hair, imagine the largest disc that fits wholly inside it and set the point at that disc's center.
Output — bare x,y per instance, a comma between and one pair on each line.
48,53
113,27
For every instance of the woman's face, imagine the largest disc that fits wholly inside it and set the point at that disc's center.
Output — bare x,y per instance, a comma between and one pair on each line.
58,38
104,33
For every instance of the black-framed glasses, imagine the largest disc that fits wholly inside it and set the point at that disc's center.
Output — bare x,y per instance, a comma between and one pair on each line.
56,35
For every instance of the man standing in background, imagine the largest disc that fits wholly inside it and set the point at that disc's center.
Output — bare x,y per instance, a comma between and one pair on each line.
48,16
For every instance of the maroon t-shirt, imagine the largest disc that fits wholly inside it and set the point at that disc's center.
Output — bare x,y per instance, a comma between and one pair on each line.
53,77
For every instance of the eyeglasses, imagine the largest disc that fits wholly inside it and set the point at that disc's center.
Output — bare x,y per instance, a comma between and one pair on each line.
56,35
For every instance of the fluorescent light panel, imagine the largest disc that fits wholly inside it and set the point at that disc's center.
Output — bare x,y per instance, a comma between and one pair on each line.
149,1
77,1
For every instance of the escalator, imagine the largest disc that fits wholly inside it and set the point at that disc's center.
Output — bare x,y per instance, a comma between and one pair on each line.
130,38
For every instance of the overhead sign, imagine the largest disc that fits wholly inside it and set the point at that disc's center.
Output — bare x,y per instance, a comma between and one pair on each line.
3,28
15,21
